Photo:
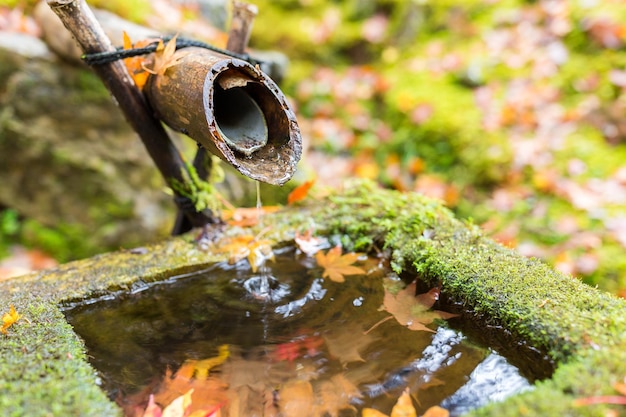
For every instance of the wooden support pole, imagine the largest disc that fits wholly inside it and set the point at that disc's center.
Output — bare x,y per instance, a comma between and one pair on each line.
80,21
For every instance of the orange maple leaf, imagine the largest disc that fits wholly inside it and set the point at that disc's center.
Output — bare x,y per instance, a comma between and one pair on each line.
300,192
135,65
247,246
336,266
404,408
9,318
414,311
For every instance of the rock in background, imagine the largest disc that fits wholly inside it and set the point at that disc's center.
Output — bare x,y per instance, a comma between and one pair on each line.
68,157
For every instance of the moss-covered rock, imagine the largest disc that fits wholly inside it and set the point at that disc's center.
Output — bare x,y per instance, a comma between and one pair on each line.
582,329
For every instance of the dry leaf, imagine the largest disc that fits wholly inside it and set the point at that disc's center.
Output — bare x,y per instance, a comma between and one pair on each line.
296,399
178,407
200,368
335,395
300,192
345,344
413,311
336,266
436,411
404,406
135,65
9,318
164,57
310,244
247,246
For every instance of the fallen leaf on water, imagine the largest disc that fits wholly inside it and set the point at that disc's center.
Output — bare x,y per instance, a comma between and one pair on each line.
300,192
335,395
9,318
336,265
436,411
200,368
256,250
345,344
310,244
178,407
414,311
246,216
296,398
403,408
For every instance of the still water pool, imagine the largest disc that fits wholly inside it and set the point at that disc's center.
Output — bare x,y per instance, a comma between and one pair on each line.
253,342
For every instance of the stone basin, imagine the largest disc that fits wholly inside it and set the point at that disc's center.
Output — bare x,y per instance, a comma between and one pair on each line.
43,364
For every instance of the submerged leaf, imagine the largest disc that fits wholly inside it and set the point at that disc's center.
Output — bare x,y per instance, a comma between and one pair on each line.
336,266
404,406
414,311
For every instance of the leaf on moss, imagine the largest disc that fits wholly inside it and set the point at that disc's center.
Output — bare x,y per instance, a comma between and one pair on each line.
337,266
8,319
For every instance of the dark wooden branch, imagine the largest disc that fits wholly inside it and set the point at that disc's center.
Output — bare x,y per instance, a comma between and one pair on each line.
80,21
241,26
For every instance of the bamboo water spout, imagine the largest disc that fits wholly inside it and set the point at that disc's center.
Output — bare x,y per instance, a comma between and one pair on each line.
232,109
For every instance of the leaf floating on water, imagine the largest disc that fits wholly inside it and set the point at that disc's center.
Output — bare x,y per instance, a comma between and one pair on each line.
335,395
179,407
310,244
8,319
337,266
296,399
436,411
414,311
247,246
403,408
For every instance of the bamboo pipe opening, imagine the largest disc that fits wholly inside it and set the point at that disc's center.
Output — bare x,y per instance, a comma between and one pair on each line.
240,120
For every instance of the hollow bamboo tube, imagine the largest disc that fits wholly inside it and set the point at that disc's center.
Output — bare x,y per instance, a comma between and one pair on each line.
232,109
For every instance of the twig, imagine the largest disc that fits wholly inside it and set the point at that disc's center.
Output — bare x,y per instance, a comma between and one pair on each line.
80,21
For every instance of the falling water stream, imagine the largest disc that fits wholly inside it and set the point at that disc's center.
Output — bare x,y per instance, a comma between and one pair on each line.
282,324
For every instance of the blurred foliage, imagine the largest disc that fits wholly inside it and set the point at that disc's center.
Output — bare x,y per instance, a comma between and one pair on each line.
509,111
512,112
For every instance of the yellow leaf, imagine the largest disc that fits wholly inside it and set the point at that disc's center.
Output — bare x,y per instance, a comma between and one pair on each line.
436,411
370,412
164,57
337,266
404,406
9,318
202,367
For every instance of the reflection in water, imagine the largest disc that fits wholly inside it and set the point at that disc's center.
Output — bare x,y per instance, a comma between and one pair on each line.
492,380
282,325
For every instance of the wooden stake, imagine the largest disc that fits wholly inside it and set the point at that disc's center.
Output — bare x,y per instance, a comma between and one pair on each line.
80,21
